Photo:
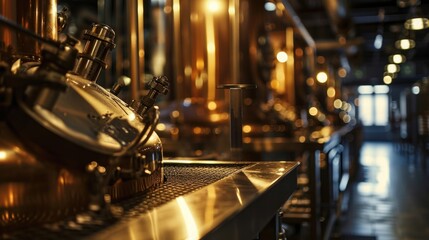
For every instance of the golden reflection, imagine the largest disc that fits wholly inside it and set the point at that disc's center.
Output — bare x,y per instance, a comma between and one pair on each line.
279,83
278,107
167,9
194,17
281,6
197,130
11,198
338,103
342,72
212,105
326,131
61,180
131,117
258,182
176,5
5,216
330,92
211,55
231,10
213,5
289,82
346,118
313,111
310,81
247,128
200,64
199,81
187,71
3,155
266,128
101,169
211,202
345,106
315,135
215,117
160,127
175,114
191,226
90,167
321,117
301,139
238,194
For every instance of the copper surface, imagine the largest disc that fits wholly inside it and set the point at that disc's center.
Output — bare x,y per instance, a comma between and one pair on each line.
38,16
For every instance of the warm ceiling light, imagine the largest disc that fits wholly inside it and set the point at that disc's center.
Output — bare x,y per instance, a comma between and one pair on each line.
417,20
416,23
392,68
397,58
392,75
387,79
405,44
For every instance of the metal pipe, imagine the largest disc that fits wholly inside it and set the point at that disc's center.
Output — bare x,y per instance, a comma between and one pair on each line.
99,42
236,116
133,48
298,24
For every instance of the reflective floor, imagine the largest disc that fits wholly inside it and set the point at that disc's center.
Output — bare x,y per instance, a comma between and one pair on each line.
390,197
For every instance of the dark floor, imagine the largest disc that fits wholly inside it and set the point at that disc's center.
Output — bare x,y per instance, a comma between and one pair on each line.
390,197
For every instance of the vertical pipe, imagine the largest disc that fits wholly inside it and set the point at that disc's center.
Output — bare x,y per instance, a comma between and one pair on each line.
119,18
234,13
211,50
177,57
290,67
140,46
236,118
133,48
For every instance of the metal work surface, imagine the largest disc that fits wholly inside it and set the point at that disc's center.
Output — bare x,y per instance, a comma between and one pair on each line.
200,199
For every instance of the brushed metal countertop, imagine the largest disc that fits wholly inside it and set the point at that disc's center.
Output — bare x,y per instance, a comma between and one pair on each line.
237,206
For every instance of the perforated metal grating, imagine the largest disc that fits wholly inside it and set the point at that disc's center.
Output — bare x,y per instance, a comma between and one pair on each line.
180,180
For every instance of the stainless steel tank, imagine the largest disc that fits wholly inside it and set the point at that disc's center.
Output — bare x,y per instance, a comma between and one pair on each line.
67,144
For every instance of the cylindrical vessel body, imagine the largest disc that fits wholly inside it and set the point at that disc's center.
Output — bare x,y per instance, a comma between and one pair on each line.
38,16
